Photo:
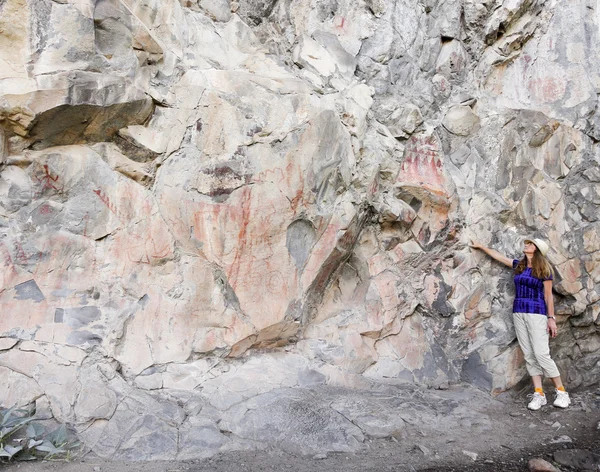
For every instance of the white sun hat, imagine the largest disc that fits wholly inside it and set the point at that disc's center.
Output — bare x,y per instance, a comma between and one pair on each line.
540,244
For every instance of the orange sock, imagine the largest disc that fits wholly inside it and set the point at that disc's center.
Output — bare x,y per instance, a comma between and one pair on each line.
540,391
561,388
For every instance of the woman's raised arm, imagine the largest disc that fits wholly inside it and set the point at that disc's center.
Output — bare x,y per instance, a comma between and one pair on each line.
492,253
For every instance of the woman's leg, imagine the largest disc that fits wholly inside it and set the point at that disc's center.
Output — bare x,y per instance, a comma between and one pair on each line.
538,398
523,336
539,336
537,326
557,382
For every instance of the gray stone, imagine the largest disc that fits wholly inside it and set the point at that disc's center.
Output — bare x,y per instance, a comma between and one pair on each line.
17,389
461,120
541,465
475,372
140,428
77,317
345,62
255,11
199,438
577,459
29,291
7,343
376,418
377,7
404,120
452,61
297,422
219,9
95,402
300,238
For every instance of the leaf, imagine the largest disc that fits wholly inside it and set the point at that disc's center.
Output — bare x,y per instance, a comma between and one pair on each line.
35,430
13,427
58,437
17,422
32,443
13,416
47,446
9,451
7,415
13,450
3,453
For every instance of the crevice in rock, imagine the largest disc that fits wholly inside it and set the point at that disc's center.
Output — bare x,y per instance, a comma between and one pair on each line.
331,266
83,123
133,151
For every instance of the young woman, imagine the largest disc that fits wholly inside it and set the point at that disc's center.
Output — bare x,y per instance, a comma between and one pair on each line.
533,315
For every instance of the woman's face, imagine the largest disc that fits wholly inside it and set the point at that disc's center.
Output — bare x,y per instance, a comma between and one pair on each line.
529,248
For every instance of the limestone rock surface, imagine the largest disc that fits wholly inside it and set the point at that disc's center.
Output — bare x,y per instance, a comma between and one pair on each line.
214,209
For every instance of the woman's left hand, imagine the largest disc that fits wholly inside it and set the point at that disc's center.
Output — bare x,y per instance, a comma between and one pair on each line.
552,329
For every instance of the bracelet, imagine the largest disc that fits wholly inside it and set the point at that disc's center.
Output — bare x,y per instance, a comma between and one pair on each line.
552,317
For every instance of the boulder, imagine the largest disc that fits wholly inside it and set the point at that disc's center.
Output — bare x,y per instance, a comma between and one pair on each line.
461,120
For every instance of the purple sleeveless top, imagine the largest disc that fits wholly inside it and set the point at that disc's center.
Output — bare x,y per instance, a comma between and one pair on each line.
529,292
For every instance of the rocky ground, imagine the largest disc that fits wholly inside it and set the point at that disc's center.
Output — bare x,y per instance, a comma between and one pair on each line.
493,435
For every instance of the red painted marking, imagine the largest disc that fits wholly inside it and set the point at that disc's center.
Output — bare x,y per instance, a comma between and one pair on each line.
234,270
86,219
48,180
422,164
548,89
7,259
20,253
156,253
106,200
276,174
45,209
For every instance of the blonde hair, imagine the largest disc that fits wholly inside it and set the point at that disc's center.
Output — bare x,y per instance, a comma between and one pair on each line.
540,267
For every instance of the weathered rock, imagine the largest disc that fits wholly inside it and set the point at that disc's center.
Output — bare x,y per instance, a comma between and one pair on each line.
7,343
452,61
404,121
540,465
199,438
215,208
219,9
297,422
577,459
309,53
461,120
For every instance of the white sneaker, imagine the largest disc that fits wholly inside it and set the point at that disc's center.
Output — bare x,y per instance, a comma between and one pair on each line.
537,401
562,399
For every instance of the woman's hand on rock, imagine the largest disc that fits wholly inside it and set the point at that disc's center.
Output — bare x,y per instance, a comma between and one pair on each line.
475,244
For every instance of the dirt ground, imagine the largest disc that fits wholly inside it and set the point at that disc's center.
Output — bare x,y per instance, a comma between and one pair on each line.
517,436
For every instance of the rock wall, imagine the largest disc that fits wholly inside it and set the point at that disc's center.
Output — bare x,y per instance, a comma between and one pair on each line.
207,206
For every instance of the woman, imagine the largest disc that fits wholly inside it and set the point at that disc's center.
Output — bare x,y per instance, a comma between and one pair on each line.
533,315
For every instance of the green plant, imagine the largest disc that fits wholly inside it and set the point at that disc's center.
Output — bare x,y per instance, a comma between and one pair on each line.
22,438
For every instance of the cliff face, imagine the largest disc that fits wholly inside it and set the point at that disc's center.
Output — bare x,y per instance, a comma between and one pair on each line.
205,201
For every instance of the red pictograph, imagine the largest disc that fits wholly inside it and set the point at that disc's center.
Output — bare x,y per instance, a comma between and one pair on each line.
6,253
20,253
48,181
422,163
86,220
104,198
